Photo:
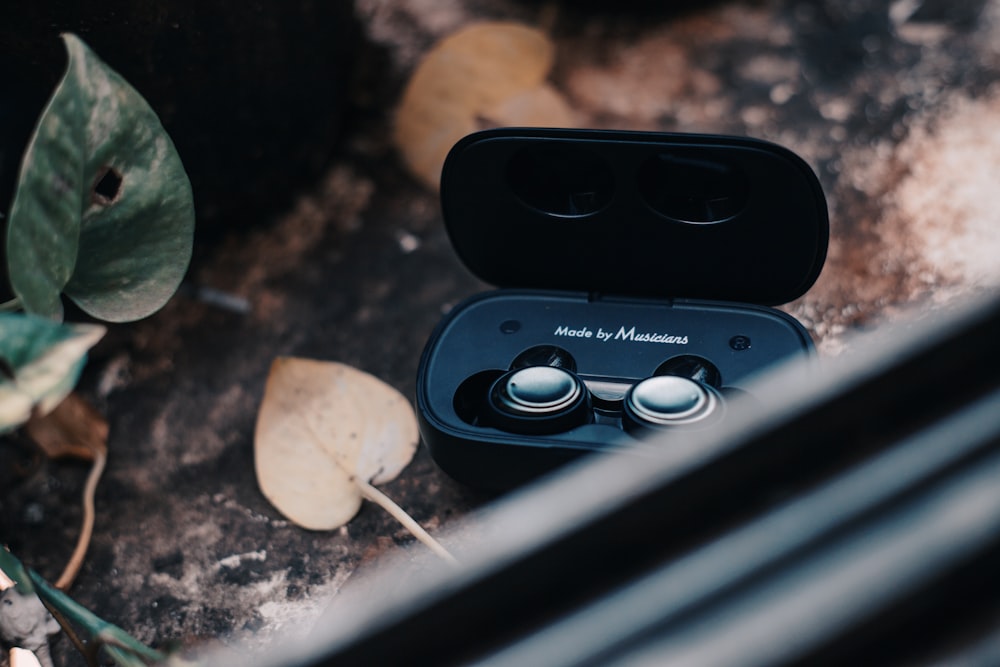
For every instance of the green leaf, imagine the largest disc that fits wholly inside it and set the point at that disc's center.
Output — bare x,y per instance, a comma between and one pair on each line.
103,209
12,567
41,361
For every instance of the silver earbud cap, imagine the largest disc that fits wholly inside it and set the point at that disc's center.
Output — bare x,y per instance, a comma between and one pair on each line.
539,390
669,399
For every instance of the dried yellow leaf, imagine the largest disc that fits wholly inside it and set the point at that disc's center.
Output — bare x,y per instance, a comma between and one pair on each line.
324,430
541,106
465,81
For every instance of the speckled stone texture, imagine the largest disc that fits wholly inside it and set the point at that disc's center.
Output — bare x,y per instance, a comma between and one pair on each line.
895,105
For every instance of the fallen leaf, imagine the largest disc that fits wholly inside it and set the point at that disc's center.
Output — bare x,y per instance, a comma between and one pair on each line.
469,79
322,427
326,432
73,429
539,106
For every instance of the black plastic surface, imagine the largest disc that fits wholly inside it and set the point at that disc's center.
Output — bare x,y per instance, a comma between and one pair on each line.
635,213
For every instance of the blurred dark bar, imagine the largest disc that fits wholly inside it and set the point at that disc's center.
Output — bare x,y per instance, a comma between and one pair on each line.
849,514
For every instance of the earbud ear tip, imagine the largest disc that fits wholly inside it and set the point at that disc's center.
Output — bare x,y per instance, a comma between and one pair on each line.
693,367
544,355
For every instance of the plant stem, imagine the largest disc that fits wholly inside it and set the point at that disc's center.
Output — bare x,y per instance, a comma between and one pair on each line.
386,503
10,306
87,528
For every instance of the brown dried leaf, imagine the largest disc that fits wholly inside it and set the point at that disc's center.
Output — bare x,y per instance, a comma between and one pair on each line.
469,77
541,106
73,429
323,432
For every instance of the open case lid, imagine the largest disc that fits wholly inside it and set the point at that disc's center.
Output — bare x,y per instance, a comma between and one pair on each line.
636,214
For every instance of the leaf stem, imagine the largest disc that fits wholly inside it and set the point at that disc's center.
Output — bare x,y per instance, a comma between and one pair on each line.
386,503
87,528
10,306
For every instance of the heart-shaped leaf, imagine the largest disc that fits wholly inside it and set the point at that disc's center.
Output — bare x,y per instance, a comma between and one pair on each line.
103,209
325,433
486,74
41,362
324,428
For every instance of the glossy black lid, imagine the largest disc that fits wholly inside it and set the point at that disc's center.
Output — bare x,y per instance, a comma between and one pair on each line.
636,213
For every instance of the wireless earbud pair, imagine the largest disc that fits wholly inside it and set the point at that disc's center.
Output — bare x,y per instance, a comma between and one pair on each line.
542,394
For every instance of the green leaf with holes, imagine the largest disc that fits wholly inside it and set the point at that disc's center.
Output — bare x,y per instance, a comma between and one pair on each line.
103,210
40,362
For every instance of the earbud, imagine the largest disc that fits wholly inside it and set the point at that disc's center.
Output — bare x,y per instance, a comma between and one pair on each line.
669,400
681,393
539,399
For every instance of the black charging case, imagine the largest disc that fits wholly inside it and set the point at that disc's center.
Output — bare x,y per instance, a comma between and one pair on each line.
620,257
